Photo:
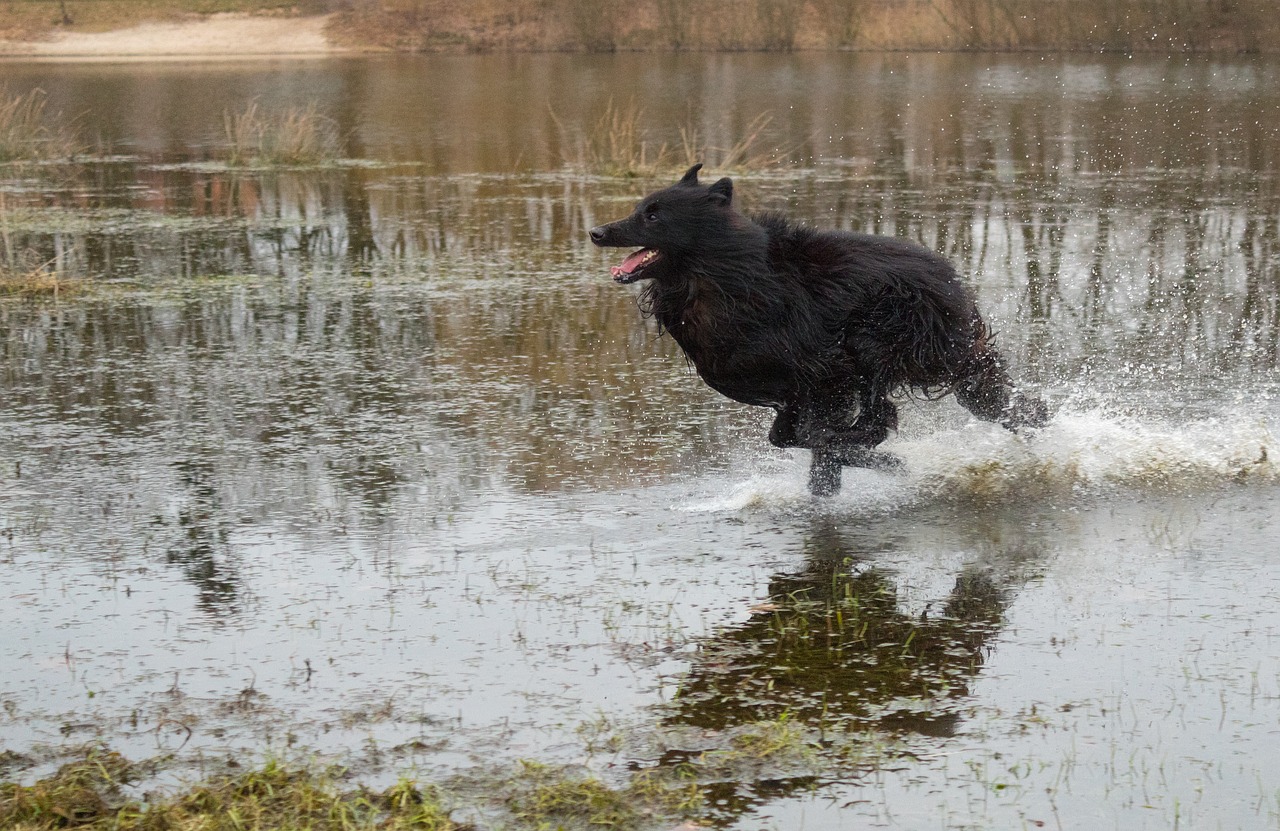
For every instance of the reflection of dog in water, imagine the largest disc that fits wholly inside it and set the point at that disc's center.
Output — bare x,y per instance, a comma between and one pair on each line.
849,645
823,326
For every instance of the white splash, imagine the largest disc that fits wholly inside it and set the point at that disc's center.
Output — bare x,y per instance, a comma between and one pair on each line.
1089,452
1080,453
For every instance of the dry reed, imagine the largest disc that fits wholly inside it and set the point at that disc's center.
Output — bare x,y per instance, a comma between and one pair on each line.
741,155
25,132
295,136
618,144
24,271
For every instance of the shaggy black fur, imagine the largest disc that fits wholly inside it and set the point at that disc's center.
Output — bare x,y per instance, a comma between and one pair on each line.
822,326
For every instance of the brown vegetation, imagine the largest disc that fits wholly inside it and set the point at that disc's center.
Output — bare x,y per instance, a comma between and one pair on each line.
785,25
293,136
617,143
26,133
24,271
1115,25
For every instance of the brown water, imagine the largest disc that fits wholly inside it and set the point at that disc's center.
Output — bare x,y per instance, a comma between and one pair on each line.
372,460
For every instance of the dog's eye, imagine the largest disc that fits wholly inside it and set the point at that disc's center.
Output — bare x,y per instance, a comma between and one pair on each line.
651,215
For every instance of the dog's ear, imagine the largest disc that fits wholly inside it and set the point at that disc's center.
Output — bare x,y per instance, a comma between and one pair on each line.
722,191
691,175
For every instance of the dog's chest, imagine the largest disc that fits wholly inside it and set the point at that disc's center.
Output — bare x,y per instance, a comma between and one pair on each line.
694,322
711,330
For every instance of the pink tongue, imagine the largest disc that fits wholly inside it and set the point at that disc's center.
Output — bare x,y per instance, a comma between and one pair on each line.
630,263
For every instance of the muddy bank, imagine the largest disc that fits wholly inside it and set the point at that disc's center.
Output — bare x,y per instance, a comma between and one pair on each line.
217,37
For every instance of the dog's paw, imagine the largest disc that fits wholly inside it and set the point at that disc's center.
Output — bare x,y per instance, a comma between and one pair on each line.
824,475
872,460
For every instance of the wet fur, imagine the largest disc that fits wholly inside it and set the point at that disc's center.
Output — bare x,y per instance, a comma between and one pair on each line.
822,326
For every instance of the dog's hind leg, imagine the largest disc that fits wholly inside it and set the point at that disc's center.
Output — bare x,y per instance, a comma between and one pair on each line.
877,415
855,447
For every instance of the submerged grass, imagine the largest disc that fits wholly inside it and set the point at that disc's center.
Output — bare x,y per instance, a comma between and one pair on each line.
292,137
36,282
21,272
550,798
89,793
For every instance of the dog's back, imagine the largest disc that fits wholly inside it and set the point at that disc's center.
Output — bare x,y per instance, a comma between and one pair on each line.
899,310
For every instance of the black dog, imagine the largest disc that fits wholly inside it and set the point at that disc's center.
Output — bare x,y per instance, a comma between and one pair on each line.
822,326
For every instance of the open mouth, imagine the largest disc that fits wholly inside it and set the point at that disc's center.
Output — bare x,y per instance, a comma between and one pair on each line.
633,266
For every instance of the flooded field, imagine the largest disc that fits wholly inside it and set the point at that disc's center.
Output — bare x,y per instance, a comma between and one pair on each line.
370,462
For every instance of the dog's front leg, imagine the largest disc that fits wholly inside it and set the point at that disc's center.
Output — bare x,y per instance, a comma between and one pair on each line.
824,472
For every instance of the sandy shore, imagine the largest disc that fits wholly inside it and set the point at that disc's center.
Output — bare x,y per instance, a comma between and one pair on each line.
217,37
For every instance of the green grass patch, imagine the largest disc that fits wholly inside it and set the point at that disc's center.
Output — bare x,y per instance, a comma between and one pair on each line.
87,794
547,797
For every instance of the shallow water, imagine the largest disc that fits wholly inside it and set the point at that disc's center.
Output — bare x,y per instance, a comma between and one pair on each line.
373,461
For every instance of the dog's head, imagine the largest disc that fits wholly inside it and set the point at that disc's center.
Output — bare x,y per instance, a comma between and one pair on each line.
667,226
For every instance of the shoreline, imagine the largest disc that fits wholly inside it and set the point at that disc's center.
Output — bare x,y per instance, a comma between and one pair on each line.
220,37
241,36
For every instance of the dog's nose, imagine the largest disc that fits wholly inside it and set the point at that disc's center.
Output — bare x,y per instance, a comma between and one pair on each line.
597,234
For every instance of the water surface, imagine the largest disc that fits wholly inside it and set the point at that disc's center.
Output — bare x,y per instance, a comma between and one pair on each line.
372,460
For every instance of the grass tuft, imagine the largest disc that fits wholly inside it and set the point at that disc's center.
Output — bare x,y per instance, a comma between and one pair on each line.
86,794
551,798
25,133
21,270
81,794
296,136
588,800
617,144
35,282
741,155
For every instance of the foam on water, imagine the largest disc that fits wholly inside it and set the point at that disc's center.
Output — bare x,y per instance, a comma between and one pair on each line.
1082,453
1093,451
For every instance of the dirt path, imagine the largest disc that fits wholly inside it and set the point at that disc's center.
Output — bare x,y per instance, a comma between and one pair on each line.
217,37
